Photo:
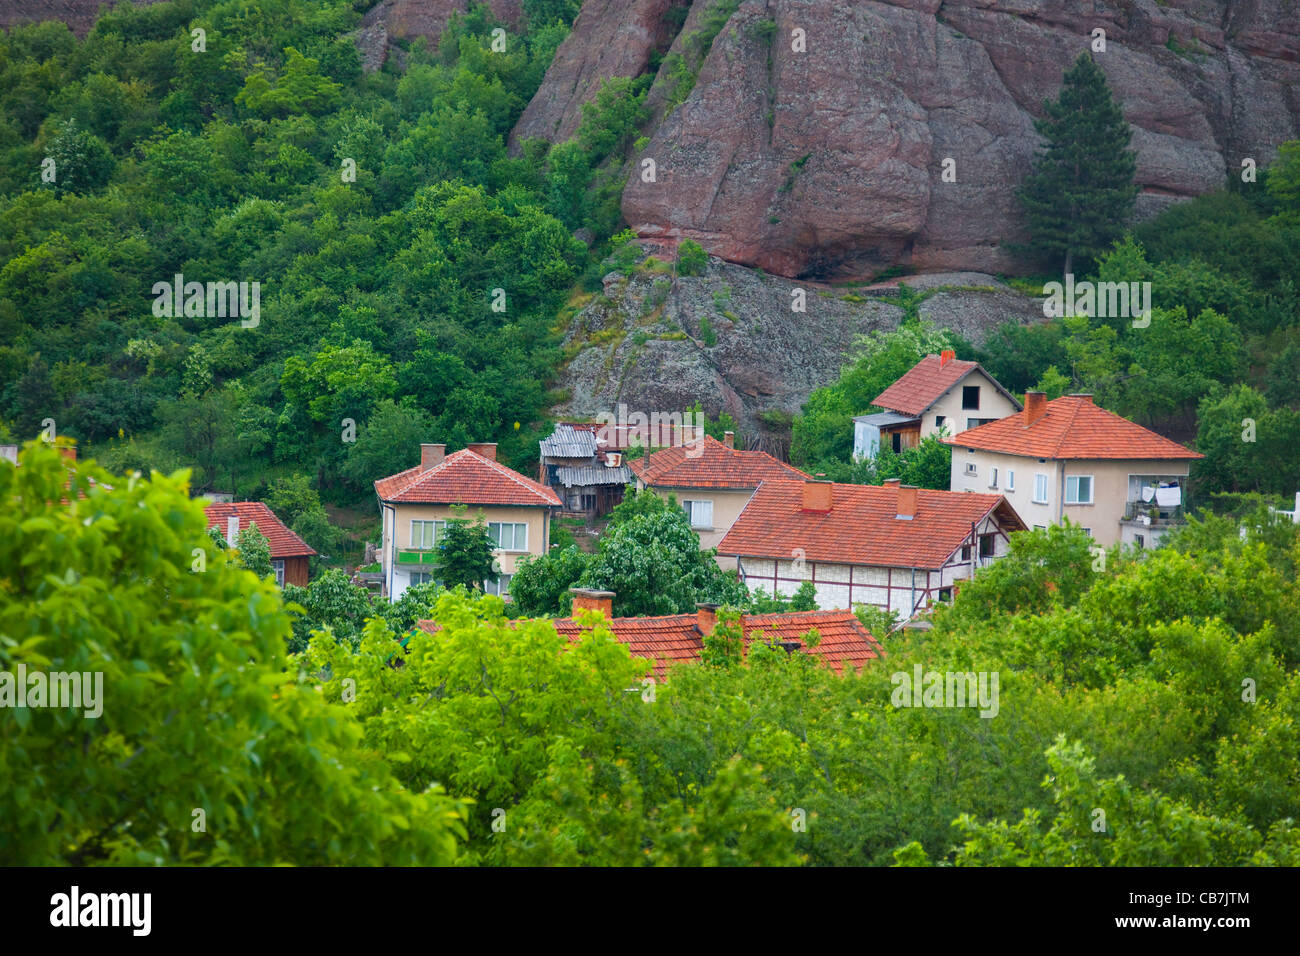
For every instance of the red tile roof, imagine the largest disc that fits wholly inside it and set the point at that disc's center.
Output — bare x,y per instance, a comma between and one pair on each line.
1071,427
465,477
284,543
710,464
925,383
862,527
676,638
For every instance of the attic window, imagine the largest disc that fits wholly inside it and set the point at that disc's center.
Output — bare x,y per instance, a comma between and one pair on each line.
970,396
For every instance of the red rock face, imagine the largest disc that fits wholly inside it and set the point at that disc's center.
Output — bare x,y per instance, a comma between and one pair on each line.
610,38
829,163
408,19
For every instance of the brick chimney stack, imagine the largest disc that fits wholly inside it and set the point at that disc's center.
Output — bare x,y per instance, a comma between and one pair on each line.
906,502
1035,406
1086,396
817,495
586,599
431,455
485,449
729,439
706,618
946,356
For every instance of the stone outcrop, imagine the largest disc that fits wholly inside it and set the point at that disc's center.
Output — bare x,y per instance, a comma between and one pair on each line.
610,38
730,339
828,163
391,20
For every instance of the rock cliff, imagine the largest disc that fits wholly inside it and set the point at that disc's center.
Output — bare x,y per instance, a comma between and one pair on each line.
730,339
814,137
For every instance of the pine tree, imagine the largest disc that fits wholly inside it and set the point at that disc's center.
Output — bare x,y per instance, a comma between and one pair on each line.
1080,192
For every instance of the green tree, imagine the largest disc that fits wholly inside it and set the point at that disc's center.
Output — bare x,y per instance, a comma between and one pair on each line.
465,553
654,565
254,551
540,585
1080,192
692,260
82,161
159,759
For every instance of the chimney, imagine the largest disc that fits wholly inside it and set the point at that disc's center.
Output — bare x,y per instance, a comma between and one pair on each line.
706,618
817,496
232,529
1086,396
69,452
486,449
946,356
906,508
585,599
729,439
431,455
1035,406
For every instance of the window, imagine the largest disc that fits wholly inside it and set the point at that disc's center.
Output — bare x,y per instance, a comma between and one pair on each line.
1141,541
509,535
1040,527
965,552
1040,489
970,396
1078,490
419,577
945,594
425,535
993,477
971,468
988,542
1011,480
939,420
500,585
896,440
1088,532
278,566
977,422
700,513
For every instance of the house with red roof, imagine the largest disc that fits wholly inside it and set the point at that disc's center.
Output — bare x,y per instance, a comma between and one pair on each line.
415,504
289,553
938,394
1070,459
894,546
712,480
676,639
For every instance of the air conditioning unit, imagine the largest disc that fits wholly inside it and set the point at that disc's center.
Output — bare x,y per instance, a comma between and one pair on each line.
613,459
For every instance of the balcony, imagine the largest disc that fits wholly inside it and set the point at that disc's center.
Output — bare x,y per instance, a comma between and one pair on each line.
417,557
1151,515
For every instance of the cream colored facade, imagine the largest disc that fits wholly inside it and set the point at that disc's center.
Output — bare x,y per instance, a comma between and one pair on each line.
726,504
1043,502
399,530
948,410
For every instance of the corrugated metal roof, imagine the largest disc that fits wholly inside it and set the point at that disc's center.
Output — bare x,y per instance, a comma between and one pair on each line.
885,418
593,475
569,442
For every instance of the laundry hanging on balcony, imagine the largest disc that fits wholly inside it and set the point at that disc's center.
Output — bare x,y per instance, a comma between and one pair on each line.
1169,496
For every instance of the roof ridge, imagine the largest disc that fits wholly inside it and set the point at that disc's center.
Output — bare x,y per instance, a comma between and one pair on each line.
507,472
